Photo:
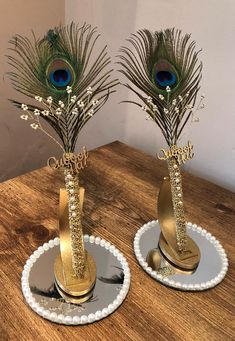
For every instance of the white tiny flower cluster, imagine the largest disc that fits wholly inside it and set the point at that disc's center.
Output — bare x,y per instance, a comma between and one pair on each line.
89,91
38,98
61,104
69,89
189,106
58,111
24,107
91,113
24,117
73,99
45,112
75,111
81,104
34,126
150,105
49,100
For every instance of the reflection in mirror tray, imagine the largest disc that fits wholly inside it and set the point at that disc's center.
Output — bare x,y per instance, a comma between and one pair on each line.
111,288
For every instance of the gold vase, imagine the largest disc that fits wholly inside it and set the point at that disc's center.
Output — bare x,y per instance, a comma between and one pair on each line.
75,269
174,243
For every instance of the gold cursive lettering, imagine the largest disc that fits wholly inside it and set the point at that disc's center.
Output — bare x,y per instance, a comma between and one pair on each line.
74,162
181,154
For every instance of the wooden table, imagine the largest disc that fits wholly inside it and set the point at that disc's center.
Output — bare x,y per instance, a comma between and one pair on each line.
122,184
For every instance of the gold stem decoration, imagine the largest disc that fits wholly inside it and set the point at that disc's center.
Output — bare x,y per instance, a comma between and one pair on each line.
75,269
174,242
75,223
177,201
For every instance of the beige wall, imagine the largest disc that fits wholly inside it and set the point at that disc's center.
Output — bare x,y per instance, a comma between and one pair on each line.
21,148
212,25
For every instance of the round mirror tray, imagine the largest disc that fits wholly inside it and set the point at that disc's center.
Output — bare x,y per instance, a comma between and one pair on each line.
210,271
111,288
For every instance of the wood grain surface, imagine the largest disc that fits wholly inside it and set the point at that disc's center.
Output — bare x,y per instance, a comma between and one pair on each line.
121,184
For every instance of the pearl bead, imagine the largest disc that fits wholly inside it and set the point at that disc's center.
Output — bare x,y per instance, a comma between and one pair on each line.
98,315
83,319
53,316
104,311
175,166
97,240
91,239
46,246
74,214
91,317
70,183
60,317
46,313
51,243
71,191
68,319
107,245
57,241
179,195
177,181
86,237
111,248
73,207
176,174
76,319
102,242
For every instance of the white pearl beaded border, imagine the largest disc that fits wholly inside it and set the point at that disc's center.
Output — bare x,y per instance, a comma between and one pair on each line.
177,285
76,320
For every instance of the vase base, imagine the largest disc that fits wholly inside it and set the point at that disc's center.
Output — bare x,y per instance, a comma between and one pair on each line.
187,260
72,288
74,299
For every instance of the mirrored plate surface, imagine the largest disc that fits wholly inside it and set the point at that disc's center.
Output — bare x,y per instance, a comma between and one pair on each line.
210,271
112,284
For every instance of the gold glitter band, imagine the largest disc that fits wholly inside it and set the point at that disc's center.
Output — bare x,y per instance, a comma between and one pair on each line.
177,201
75,224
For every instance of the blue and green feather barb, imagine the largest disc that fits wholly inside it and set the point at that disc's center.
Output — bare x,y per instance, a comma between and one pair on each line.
164,66
46,66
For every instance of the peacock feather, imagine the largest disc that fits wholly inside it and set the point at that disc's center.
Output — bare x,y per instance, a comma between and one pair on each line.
57,72
164,66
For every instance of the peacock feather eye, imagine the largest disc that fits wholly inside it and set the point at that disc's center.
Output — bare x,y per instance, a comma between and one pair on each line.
60,74
164,74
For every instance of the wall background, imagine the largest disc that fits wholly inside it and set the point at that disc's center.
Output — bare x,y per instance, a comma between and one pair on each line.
21,148
212,25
